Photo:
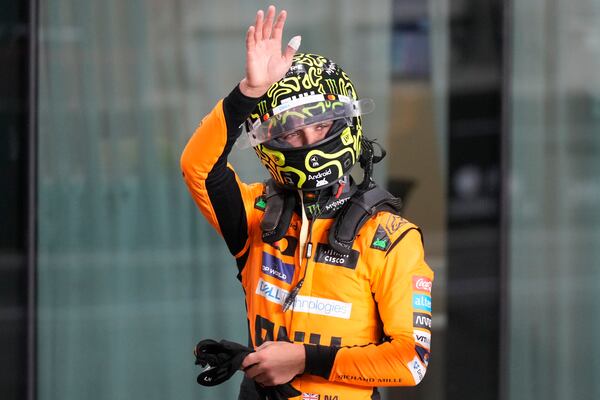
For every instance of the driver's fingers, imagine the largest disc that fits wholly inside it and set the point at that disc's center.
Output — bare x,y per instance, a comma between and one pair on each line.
268,24
263,379
258,26
253,371
250,41
278,27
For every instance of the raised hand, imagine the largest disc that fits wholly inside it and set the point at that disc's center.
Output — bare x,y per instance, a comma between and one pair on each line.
265,62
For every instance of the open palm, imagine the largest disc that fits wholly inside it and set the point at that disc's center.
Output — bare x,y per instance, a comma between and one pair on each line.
265,62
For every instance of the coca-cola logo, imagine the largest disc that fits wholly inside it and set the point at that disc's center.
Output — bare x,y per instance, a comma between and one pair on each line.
422,284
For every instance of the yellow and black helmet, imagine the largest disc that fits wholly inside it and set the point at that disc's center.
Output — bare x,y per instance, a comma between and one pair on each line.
314,90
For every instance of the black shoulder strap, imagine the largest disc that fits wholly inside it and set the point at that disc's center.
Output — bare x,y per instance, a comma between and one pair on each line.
278,212
362,206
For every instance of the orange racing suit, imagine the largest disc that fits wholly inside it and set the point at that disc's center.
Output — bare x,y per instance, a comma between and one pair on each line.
364,318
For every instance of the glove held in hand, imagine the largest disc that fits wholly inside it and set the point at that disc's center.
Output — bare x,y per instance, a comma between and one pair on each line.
224,358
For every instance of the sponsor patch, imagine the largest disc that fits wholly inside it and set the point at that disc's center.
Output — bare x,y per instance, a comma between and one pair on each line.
417,369
421,320
423,355
422,284
286,245
381,240
336,204
327,255
313,209
276,268
347,138
288,178
422,338
422,302
321,182
260,203
393,223
306,304
310,396
320,175
271,292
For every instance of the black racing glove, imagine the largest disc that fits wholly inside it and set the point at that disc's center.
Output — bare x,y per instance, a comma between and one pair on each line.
224,358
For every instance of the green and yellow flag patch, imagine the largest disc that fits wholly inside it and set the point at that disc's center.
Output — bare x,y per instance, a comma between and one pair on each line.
260,203
381,241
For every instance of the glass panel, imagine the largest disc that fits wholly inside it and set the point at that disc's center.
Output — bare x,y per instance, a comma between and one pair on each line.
416,167
555,191
474,132
129,275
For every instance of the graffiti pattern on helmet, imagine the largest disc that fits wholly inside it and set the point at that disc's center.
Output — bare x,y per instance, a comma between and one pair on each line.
274,161
309,74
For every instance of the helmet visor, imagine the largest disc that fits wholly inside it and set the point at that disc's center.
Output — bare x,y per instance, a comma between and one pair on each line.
302,112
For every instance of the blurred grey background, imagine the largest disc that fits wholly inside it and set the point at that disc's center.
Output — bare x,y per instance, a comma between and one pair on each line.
489,110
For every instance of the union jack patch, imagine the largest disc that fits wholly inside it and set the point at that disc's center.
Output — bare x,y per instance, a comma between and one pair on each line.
310,396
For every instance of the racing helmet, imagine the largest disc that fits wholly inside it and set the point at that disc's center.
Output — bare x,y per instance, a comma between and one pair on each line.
315,90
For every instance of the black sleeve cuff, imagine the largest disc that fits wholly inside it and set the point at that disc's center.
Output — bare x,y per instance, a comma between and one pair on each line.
237,106
319,359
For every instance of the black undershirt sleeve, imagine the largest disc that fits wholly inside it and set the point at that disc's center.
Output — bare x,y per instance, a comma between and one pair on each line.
319,359
221,185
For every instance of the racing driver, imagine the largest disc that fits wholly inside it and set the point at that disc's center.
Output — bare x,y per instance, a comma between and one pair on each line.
337,290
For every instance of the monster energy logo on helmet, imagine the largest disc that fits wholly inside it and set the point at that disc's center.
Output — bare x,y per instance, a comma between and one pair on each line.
315,89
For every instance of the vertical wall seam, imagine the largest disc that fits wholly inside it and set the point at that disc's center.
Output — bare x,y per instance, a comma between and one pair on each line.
32,130
505,197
